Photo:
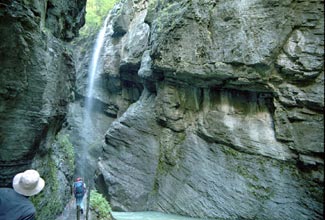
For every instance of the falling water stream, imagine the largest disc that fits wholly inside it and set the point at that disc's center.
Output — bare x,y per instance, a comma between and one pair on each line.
94,71
88,129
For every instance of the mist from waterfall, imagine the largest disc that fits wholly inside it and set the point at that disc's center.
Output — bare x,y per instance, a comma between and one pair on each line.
88,126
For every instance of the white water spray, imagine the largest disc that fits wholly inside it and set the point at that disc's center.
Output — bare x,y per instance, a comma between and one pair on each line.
94,70
89,130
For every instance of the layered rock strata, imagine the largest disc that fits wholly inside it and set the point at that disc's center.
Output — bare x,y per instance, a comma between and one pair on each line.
230,121
37,77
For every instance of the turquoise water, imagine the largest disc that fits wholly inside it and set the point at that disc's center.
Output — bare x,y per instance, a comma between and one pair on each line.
149,216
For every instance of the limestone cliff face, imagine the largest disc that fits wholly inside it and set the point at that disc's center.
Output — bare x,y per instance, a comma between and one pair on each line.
36,80
229,123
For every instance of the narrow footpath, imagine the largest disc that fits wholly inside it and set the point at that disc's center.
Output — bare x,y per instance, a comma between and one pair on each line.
70,211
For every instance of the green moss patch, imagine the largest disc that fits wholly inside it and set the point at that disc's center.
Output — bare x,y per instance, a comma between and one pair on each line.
99,205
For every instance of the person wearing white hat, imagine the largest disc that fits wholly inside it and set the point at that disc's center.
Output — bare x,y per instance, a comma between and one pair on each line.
14,203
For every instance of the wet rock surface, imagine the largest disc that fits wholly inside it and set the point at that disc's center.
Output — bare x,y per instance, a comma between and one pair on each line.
209,109
37,77
230,121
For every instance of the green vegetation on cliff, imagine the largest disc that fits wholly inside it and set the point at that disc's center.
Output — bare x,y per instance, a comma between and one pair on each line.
57,168
67,150
49,203
100,206
96,12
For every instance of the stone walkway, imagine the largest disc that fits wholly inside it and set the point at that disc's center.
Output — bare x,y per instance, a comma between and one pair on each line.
70,211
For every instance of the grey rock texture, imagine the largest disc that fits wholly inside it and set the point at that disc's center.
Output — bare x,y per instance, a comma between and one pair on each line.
37,77
230,120
114,91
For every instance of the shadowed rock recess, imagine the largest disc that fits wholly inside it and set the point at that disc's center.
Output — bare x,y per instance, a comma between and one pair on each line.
229,123
37,76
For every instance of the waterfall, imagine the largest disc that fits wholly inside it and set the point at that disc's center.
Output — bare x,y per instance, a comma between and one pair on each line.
89,130
94,70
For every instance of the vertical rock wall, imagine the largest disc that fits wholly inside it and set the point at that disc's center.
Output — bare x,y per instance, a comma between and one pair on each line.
36,80
114,88
230,120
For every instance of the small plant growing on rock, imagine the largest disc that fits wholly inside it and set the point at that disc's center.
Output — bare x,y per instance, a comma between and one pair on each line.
67,150
99,206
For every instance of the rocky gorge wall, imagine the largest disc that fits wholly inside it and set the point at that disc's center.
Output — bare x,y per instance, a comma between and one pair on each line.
203,108
227,115
37,77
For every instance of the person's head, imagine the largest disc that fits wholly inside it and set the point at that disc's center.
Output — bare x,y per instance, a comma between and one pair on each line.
78,179
28,183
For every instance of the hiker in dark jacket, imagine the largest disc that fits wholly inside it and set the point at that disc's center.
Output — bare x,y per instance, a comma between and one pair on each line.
14,203
79,190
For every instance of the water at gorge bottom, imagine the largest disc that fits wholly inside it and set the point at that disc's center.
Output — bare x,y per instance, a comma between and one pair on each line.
149,216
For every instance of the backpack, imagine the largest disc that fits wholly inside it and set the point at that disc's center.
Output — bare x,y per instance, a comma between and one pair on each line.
79,188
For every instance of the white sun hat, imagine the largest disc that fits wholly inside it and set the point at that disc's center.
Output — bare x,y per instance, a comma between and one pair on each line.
28,183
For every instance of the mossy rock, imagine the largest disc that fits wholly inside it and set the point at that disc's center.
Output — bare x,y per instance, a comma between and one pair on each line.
99,205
